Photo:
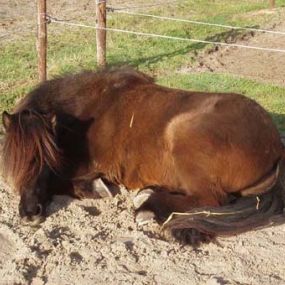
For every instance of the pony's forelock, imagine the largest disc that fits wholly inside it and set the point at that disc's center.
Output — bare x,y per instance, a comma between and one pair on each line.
29,145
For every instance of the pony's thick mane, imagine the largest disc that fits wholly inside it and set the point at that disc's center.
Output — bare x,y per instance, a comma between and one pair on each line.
28,146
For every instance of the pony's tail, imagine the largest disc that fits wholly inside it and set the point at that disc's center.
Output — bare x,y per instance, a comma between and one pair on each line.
241,215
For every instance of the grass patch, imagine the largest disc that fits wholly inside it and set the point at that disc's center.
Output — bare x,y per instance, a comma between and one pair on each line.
72,49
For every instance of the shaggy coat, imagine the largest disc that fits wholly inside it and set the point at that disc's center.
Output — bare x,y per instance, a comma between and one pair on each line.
198,151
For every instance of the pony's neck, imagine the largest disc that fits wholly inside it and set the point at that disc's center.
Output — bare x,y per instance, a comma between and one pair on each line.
76,94
70,95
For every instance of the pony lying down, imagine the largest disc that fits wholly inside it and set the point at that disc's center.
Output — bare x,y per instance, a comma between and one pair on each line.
206,164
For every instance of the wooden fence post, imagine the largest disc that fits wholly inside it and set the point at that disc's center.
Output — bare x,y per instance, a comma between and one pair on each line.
101,33
42,40
272,4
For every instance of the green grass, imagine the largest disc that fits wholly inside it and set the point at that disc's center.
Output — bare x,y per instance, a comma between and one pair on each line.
72,49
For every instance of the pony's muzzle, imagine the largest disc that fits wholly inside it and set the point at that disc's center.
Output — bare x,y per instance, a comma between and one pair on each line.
32,221
32,218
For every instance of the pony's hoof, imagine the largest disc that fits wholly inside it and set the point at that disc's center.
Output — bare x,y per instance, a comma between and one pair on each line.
144,217
191,237
142,197
101,189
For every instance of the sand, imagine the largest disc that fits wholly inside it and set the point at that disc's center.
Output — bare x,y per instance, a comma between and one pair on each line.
98,242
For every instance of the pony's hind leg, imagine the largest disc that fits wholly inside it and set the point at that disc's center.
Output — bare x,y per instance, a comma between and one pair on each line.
159,203
143,216
162,202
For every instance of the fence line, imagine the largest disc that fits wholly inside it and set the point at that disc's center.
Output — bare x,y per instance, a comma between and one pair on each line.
101,36
62,22
42,40
113,9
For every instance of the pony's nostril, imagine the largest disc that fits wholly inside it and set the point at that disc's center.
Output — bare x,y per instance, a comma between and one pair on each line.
39,210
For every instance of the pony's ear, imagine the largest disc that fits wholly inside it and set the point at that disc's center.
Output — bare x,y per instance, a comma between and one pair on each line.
6,120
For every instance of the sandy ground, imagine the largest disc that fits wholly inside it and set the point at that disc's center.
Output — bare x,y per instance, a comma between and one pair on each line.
98,242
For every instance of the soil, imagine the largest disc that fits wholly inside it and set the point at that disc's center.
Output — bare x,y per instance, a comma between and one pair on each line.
98,241
265,66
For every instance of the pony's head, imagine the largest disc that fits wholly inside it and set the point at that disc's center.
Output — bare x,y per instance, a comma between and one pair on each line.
30,154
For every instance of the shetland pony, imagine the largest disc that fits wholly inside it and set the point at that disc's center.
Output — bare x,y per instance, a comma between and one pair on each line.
207,164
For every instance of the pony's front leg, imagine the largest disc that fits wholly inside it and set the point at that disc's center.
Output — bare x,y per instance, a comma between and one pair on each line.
94,189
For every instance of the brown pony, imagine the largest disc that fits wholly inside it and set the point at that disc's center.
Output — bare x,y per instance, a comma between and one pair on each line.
215,159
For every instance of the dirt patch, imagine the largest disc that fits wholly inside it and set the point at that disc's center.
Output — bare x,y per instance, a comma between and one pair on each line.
259,65
98,242
18,19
